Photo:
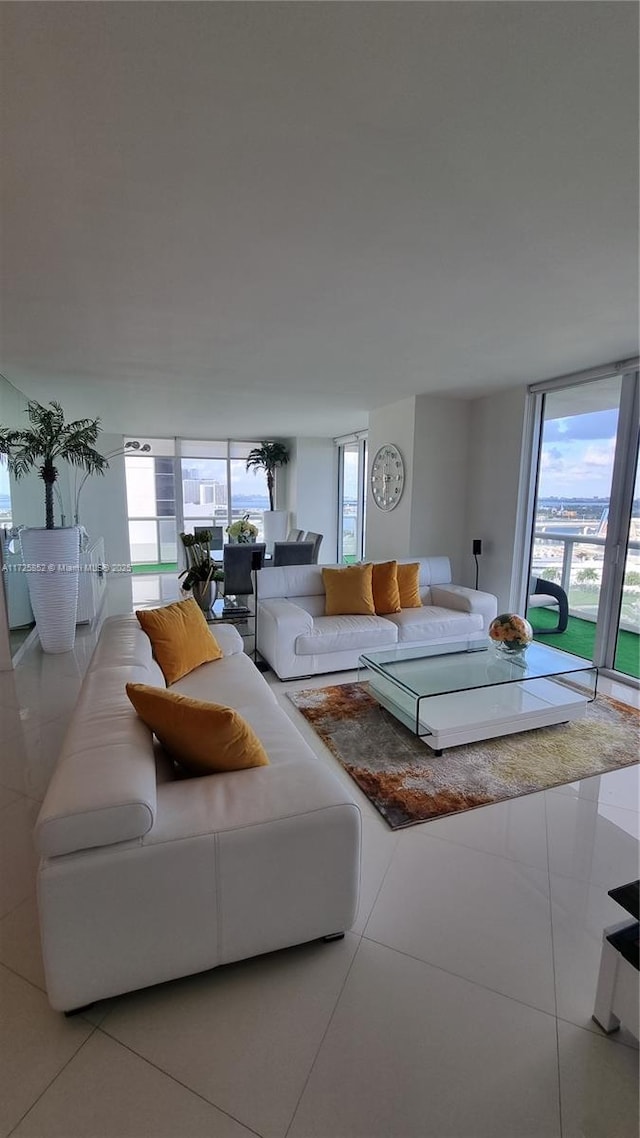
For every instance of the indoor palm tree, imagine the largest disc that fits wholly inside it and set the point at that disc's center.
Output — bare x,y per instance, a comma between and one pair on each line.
52,555
47,439
268,457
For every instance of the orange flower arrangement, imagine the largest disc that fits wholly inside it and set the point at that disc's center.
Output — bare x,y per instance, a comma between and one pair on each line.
511,631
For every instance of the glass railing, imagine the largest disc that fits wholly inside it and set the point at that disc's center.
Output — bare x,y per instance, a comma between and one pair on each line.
575,562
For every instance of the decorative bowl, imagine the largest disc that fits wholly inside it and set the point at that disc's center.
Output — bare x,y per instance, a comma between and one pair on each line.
510,632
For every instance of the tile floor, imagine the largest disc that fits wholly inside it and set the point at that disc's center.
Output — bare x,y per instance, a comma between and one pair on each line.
459,1005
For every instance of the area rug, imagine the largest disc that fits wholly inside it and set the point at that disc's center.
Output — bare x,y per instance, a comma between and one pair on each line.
408,784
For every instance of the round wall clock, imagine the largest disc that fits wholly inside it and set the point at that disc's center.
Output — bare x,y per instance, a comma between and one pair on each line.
387,477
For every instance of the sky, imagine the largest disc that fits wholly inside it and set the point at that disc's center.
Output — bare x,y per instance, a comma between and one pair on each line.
577,455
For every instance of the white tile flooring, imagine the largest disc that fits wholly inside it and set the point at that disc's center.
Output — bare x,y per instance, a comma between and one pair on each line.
459,1005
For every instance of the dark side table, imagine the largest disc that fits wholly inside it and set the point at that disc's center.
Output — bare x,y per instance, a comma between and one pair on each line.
617,991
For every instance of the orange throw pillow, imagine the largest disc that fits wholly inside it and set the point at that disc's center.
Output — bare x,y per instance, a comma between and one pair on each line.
205,738
409,585
386,594
349,591
180,638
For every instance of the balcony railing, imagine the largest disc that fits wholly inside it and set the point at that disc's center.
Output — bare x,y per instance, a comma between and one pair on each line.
578,560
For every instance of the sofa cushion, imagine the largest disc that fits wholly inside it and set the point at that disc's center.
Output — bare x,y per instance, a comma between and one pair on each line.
204,738
234,684
409,584
349,590
386,594
180,638
433,623
340,633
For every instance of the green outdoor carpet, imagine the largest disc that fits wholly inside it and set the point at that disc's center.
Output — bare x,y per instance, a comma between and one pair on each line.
579,639
155,567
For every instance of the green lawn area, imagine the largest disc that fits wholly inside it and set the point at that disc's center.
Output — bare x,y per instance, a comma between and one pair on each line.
580,636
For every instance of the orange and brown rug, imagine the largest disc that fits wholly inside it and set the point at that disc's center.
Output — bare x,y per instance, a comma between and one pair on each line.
408,784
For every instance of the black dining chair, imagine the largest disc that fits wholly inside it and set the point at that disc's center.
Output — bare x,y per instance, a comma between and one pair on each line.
238,563
216,540
316,539
292,553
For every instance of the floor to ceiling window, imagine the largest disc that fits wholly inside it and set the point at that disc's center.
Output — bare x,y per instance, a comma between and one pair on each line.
586,519
175,485
217,488
151,505
352,464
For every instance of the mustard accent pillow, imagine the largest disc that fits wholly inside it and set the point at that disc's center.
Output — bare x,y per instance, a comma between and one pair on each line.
409,585
205,738
180,638
349,590
386,594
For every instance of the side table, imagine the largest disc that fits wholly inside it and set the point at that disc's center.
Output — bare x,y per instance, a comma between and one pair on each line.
617,991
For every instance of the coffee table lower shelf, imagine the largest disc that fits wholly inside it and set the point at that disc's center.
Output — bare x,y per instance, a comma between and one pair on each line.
484,713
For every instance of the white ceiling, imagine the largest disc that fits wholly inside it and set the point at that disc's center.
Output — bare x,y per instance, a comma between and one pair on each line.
266,219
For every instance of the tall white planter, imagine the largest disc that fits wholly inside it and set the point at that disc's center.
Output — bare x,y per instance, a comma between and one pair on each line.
276,523
51,559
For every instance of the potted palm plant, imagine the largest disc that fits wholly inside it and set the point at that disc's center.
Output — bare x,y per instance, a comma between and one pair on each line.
52,555
268,456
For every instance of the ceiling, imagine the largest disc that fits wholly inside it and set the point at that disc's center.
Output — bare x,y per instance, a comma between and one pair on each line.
267,219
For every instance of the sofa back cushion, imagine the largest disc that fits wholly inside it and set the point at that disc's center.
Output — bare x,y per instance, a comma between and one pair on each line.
291,581
299,583
180,638
349,590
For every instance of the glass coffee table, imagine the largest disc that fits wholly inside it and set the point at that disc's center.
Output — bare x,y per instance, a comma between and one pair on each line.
450,694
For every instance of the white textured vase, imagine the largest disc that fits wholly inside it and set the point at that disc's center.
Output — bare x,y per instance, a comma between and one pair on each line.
51,558
275,527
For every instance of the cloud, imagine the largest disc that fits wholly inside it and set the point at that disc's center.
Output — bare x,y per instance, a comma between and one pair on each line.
577,469
595,425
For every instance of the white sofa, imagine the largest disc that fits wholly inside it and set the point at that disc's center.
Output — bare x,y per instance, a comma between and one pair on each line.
143,876
297,639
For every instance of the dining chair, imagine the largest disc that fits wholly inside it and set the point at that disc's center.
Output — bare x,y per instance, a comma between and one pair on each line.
316,539
292,553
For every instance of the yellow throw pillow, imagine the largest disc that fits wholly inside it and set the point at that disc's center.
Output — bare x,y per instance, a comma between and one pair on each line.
409,585
205,738
180,638
349,590
386,594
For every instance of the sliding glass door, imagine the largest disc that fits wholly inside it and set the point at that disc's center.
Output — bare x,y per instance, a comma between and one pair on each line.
628,624
585,536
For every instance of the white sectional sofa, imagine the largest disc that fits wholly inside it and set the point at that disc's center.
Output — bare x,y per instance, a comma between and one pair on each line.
144,876
297,639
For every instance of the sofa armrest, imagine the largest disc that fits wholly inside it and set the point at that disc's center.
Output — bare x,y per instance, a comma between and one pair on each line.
280,622
466,600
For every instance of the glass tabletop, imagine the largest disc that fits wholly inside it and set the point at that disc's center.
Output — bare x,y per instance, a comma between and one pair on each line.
443,668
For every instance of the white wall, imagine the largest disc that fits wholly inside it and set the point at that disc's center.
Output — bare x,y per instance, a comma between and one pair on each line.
440,475
389,531
432,434
495,449
103,503
312,491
